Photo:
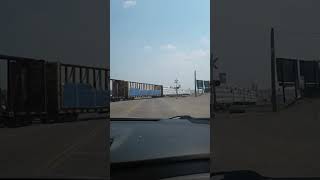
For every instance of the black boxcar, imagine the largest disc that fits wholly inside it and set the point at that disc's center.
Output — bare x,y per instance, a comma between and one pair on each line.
128,90
49,91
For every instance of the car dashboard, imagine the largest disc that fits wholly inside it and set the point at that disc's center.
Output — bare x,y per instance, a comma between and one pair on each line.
160,149
202,176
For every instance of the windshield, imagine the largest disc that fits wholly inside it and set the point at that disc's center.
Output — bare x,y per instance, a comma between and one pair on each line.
157,139
163,73
157,73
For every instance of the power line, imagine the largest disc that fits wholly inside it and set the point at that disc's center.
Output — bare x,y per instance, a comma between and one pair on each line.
296,33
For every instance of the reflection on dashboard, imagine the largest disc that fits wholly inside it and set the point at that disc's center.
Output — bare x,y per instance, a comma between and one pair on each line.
203,176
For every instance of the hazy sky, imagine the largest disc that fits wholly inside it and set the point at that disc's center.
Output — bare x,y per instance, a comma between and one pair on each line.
71,31
242,35
156,41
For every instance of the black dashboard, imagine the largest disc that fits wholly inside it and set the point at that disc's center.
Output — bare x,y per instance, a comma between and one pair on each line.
160,169
158,149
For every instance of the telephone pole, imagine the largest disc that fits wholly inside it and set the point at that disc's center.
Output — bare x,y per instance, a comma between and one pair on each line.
195,83
0,88
273,73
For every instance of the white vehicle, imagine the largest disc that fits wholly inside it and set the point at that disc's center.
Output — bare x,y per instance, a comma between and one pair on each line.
169,91
231,95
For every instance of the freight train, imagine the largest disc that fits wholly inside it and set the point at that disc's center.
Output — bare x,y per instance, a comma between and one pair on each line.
49,91
128,90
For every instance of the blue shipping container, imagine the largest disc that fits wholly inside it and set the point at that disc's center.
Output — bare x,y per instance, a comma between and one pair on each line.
83,96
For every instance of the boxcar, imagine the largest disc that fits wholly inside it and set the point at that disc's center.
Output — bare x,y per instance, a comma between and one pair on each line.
119,90
128,90
49,91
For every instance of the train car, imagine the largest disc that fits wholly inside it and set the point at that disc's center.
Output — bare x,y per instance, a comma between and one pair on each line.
119,90
79,89
228,96
20,100
49,91
128,90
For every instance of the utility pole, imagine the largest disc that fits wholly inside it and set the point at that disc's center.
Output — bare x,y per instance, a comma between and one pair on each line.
273,74
0,88
212,89
195,83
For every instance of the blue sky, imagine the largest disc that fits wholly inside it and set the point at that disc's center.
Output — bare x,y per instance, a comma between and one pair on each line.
157,41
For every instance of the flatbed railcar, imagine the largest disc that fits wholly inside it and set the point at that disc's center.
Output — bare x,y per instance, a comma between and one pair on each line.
128,90
49,91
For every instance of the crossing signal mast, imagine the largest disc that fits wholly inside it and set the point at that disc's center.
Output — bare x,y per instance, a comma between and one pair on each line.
177,86
213,83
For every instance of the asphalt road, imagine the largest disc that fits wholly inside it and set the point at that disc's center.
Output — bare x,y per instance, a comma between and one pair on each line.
77,149
162,107
74,149
274,144
282,144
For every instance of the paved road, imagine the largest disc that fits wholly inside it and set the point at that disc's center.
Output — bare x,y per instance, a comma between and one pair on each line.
75,149
162,107
275,144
